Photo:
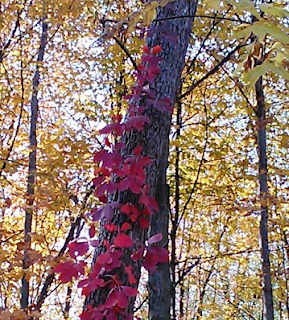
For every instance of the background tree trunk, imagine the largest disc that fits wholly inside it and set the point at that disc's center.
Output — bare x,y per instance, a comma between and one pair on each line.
32,164
262,152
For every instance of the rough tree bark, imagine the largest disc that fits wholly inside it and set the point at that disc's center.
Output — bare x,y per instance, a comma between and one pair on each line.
173,35
160,286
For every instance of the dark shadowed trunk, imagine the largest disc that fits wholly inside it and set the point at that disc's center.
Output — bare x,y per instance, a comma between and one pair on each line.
263,186
173,36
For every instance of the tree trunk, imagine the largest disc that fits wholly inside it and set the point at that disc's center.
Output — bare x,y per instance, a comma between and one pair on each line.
32,165
262,152
173,36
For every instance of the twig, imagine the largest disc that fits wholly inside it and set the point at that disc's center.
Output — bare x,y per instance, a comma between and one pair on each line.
123,47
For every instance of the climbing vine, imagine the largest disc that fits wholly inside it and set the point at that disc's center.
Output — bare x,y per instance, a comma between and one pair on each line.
114,174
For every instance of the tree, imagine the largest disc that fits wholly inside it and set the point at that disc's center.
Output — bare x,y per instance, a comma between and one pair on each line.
172,37
91,56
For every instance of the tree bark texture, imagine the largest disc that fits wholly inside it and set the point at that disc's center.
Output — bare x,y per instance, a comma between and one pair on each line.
173,36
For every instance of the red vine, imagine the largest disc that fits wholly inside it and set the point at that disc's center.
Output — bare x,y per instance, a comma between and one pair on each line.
116,174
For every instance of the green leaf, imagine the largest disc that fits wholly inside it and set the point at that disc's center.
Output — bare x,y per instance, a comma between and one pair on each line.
273,10
252,76
246,5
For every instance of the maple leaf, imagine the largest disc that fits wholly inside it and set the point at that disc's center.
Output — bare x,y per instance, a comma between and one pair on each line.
123,241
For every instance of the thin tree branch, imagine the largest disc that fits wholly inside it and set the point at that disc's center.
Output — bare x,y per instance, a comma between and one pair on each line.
212,71
202,16
20,114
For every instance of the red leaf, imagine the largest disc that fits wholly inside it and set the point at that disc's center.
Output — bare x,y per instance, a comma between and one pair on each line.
97,181
68,270
146,189
107,212
100,155
91,231
126,208
104,258
154,239
115,128
126,226
136,122
80,248
156,49
103,198
162,254
94,243
134,186
111,300
129,291
145,49
111,315
138,254
137,151
122,299
110,227
149,202
83,283
150,262
144,223
123,241
130,275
